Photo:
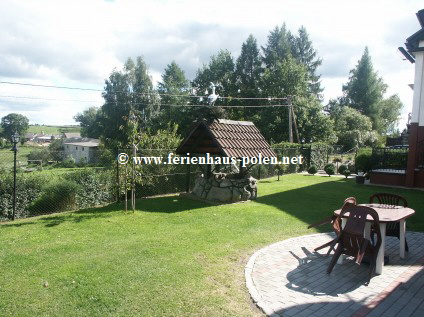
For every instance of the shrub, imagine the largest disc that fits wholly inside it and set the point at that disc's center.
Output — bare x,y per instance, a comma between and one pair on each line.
56,150
57,196
313,170
363,160
330,169
40,155
342,168
95,187
346,172
28,189
82,162
69,162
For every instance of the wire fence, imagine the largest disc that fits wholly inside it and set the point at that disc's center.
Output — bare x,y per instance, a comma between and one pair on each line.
55,181
52,181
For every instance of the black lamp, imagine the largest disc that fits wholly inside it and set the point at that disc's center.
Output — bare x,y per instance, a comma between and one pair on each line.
15,140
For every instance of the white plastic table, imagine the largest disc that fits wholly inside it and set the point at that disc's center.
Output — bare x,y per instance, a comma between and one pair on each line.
386,213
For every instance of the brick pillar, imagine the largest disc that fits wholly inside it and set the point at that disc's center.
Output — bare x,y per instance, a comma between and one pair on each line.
412,155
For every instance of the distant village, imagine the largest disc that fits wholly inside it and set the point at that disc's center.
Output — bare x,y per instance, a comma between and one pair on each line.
75,146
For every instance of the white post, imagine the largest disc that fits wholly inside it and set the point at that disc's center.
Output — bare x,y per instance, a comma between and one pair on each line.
380,255
341,258
402,239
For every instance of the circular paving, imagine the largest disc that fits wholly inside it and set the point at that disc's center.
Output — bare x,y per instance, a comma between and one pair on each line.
289,278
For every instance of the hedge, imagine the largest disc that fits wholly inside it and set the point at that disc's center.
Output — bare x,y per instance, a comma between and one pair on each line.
37,194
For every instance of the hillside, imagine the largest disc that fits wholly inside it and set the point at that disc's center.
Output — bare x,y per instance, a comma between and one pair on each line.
51,129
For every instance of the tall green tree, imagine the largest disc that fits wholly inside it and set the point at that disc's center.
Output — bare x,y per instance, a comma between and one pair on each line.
389,112
365,92
248,74
130,104
312,123
352,128
220,71
304,52
277,48
89,121
248,68
286,78
290,69
14,123
174,88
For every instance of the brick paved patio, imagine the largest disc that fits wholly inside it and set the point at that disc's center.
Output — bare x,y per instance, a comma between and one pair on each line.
289,279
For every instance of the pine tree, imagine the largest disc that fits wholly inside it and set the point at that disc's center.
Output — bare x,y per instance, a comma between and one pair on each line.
286,78
247,79
278,47
248,68
365,92
303,51
173,88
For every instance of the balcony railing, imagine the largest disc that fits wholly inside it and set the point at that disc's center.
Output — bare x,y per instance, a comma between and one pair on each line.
390,159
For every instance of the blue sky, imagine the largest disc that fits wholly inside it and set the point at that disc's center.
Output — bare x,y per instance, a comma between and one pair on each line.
78,43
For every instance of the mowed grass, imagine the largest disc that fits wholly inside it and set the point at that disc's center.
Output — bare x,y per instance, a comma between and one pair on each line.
172,257
47,129
7,156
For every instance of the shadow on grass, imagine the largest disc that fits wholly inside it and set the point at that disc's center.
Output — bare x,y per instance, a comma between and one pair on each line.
168,204
17,224
308,203
165,204
54,219
315,202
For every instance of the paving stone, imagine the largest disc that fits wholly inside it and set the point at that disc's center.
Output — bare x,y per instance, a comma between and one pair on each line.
292,281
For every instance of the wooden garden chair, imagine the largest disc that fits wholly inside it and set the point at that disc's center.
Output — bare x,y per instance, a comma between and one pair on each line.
335,222
351,240
392,228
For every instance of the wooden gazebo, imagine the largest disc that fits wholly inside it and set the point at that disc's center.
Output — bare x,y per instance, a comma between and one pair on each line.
225,138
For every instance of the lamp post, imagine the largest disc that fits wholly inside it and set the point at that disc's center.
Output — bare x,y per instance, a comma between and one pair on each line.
15,140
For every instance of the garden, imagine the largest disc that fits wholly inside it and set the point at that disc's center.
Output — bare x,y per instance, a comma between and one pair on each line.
171,257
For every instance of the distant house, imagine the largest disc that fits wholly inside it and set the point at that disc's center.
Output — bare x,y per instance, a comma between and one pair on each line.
68,135
43,138
30,136
81,149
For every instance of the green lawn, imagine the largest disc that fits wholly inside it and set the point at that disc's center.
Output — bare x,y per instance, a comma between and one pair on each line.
6,155
172,257
47,129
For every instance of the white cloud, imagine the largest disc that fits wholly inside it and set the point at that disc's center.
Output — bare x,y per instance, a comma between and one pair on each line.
78,43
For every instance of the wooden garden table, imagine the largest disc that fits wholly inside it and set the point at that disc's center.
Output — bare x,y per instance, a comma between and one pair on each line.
386,213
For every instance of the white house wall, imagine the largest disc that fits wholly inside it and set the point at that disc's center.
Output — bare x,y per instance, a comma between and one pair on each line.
77,153
418,101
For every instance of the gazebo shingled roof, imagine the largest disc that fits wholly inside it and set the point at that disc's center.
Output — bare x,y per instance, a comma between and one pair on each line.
226,138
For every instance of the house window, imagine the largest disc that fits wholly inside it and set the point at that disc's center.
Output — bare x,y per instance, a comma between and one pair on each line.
67,146
82,149
76,148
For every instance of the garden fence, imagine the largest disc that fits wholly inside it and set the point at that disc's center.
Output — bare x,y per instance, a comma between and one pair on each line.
391,159
55,181
48,182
